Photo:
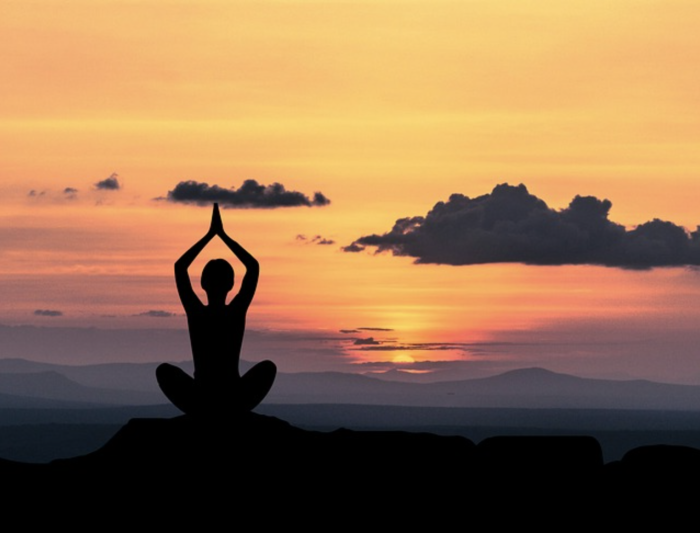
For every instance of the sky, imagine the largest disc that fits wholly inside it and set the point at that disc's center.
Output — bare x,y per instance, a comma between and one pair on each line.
123,120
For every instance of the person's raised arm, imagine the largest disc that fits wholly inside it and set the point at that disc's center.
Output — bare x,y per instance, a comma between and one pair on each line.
182,278
252,267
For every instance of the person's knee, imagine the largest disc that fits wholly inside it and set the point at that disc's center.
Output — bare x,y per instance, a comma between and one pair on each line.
167,373
266,371
163,371
263,373
268,367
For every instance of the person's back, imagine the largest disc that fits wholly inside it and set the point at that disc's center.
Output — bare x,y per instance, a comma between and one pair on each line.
216,337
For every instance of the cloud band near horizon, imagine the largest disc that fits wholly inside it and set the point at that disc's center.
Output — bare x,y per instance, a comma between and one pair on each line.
510,225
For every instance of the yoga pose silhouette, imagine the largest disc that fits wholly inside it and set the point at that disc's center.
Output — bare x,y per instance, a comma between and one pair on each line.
216,335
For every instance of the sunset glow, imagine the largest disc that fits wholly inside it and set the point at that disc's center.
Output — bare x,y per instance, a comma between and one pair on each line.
384,107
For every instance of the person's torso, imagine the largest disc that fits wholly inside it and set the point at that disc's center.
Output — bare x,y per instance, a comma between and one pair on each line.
216,336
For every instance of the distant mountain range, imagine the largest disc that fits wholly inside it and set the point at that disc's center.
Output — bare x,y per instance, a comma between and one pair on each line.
28,384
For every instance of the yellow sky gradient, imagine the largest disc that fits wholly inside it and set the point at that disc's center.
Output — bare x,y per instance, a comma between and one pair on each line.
386,107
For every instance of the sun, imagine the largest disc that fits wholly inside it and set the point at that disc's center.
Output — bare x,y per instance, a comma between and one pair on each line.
403,358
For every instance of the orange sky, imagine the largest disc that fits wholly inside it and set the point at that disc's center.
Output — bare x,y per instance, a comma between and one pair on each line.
386,107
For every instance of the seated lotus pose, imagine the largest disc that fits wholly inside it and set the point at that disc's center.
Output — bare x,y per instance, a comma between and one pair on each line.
216,335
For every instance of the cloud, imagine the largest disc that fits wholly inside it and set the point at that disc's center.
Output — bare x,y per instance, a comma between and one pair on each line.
250,195
157,313
109,184
48,312
70,193
357,330
35,193
406,347
416,365
510,225
318,239
369,341
353,248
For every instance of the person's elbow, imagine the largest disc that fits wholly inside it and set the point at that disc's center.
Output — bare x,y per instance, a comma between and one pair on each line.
180,267
252,265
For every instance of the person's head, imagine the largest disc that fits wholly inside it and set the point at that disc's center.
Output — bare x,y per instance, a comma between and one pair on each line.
217,277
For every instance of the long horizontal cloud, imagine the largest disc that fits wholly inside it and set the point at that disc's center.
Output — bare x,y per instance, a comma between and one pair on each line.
510,225
156,313
48,312
407,347
249,195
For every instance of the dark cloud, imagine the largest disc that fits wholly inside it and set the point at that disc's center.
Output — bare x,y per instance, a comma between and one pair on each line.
48,312
250,195
109,184
376,329
318,239
157,313
67,193
510,225
369,341
349,330
353,248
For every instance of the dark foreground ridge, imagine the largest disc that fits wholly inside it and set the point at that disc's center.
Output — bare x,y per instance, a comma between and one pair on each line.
255,458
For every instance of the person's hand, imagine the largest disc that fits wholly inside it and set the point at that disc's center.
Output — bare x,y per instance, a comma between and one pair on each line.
217,226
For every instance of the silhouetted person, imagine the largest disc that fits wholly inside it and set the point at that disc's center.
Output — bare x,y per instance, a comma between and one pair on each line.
216,335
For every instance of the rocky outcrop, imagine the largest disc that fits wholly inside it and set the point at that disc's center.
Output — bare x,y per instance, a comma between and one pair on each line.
215,465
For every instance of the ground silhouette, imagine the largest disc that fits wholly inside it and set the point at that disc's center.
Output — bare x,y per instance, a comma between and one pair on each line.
230,468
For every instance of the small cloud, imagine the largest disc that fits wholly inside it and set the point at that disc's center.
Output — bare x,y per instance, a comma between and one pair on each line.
349,330
48,312
109,184
320,199
352,248
376,329
323,241
35,193
70,192
157,313
250,195
318,239
369,341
